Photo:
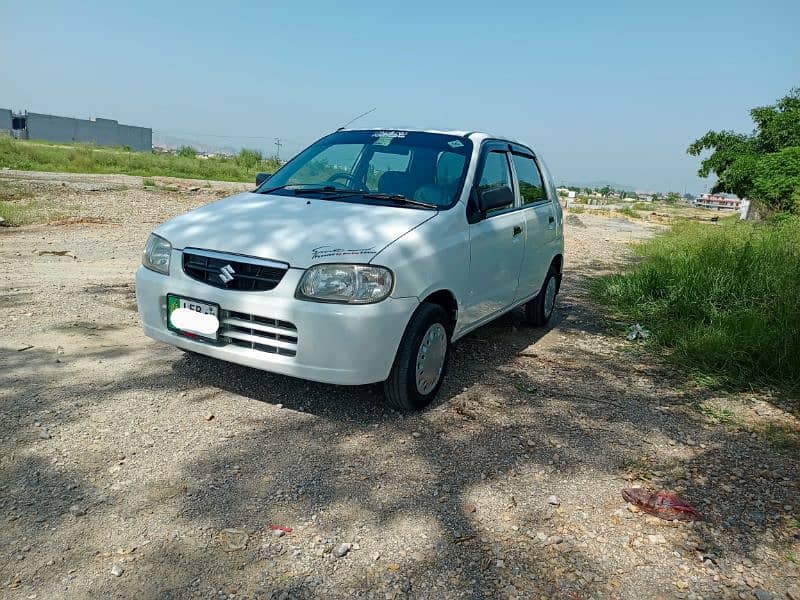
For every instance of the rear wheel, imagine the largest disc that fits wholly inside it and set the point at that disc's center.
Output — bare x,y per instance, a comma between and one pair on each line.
539,310
421,361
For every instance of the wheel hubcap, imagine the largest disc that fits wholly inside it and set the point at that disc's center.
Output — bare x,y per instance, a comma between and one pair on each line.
550,297
430,358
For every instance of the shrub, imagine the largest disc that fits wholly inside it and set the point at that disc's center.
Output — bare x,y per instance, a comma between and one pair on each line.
722,299
187,152
78,158
250,159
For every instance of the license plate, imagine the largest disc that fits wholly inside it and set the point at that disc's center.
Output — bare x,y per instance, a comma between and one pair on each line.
193,318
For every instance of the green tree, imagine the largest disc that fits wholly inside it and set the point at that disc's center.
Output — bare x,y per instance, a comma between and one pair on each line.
777,182
762,165
672,197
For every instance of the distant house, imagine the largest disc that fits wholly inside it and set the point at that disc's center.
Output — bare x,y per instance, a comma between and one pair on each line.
719,201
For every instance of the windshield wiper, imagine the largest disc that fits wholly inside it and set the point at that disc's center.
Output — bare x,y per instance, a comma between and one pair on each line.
342,193
399,198
328,189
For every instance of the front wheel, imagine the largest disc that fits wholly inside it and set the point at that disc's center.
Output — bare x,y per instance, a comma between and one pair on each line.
539,310
421,361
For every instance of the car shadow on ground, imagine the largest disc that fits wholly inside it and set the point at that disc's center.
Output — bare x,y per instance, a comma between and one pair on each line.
524,413
487,348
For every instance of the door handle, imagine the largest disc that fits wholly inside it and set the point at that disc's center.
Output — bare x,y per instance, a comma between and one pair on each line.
552,219
517,230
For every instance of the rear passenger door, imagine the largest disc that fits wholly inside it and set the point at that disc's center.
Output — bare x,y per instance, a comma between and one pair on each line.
540,222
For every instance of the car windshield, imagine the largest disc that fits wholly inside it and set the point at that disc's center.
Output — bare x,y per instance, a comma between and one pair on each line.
404,168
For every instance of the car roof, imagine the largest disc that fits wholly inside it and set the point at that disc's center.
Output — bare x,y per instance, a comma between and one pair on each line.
477,136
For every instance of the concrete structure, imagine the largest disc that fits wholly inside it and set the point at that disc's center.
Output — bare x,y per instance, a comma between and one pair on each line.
103,132
5,121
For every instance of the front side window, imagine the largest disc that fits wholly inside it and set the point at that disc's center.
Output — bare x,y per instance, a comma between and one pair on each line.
495,174
377,167
530,180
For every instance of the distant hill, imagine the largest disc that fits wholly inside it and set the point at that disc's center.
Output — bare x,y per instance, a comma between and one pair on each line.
601,183
175,142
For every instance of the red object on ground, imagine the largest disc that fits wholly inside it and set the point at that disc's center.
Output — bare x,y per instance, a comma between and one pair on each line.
281,528
662,504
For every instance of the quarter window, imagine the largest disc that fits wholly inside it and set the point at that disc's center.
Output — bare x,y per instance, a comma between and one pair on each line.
530,180
496,174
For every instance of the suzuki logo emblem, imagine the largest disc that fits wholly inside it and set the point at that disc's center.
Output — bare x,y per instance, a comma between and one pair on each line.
226,274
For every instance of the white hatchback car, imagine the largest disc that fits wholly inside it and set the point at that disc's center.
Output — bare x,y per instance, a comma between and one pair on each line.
361,260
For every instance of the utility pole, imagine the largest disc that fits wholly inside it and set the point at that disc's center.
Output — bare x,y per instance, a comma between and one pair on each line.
278,144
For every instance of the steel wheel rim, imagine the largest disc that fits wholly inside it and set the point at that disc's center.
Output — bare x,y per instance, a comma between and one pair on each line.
550,297
430,358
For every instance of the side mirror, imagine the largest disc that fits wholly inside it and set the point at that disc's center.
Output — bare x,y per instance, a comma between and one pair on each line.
495,198
262,177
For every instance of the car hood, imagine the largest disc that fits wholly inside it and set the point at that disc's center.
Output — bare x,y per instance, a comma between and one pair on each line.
297,230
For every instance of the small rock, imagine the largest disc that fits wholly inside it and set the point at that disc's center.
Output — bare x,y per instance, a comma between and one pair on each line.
77,511
553,500
342,549
657,539
279,406
232,540
793,593
209,417
116,570
278,532
470,508
44,435
762,594
554,539
416,434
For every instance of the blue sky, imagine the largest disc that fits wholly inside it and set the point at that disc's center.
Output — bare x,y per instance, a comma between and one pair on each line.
603,90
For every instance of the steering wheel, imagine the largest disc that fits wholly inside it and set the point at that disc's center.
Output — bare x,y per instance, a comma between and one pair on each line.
342,175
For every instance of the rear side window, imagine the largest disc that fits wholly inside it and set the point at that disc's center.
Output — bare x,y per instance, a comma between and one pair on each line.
531,187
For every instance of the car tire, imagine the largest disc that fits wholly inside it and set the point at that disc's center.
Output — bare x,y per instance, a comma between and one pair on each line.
539,310
405,389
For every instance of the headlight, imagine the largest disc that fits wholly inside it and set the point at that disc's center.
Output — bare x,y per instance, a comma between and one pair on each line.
346,284
156,254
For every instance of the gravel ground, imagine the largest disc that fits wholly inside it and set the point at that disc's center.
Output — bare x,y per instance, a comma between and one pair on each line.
131,470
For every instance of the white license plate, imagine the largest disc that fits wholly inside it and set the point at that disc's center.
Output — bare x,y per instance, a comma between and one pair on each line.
192,317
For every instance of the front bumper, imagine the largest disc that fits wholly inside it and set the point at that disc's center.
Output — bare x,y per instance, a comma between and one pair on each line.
336,343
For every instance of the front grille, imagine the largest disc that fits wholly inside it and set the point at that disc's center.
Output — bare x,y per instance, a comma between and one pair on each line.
232,271
258,333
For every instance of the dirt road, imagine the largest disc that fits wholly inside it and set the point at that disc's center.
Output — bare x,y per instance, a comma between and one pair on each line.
131,470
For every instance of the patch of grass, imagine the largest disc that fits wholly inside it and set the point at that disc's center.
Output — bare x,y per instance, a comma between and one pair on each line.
27,155
629,212
148,183
27,211
642,206
577,210
723,416
781,437
722,299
